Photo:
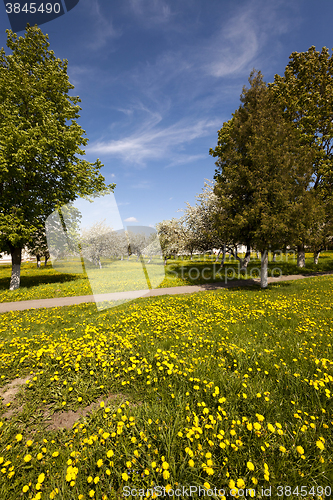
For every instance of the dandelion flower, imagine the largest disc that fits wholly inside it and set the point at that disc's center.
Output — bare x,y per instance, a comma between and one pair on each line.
41,477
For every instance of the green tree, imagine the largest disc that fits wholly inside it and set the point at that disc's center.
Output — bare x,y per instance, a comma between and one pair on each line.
39,142
306,95
263,174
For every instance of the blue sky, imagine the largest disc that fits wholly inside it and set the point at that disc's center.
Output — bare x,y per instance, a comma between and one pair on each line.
157,79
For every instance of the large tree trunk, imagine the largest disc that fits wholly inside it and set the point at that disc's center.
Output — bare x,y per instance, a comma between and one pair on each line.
264,268
46,259
300,256
16,269
38,261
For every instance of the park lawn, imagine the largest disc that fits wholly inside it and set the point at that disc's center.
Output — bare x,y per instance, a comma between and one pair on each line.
66,280
221,389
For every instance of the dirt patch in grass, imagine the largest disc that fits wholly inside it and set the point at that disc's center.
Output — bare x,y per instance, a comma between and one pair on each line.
57,420
66,419
8,393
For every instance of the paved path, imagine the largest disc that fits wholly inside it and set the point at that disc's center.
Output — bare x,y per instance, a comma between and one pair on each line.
70,301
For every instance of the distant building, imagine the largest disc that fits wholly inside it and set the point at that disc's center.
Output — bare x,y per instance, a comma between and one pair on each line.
5,258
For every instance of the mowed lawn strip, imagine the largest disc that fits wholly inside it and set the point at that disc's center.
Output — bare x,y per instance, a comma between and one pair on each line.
225,389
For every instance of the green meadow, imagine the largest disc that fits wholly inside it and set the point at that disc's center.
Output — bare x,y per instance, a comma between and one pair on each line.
66,279
222,390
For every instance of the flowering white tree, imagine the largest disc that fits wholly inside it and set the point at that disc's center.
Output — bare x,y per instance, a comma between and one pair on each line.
201,222
171,236
96,242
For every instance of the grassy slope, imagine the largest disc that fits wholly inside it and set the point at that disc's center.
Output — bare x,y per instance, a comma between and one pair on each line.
226,387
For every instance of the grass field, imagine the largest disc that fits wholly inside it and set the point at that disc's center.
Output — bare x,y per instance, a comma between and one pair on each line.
222,389
47,282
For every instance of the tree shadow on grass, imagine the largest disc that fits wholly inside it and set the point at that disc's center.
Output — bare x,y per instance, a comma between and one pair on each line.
31,281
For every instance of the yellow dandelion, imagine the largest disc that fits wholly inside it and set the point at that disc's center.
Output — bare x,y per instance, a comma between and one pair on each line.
166,474
41,477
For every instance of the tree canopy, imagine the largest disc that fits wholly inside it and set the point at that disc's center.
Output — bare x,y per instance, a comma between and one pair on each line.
263,173
40,142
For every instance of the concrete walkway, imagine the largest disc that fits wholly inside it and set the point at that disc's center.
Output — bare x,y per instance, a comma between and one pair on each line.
70,301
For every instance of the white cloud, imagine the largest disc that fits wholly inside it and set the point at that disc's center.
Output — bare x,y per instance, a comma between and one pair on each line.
192,77
183,159
232,49
154,142
131,219
103,29
151,12
141,185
